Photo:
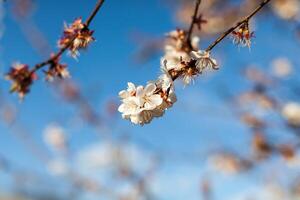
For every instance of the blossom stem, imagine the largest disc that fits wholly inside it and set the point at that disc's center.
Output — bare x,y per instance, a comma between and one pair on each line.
94,13
238,24
62,50
194,18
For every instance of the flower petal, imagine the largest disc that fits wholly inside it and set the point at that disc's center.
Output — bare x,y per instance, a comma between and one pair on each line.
153,102
150,88
123,94
140,91
131,86
195,55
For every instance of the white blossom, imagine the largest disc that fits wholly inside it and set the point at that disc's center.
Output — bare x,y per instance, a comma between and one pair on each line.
179,36
195,42
291,112
140,104
174,57
165,79
203,60
165,82
175,53
131,90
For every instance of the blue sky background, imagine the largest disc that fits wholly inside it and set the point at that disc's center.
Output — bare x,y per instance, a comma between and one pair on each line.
199,122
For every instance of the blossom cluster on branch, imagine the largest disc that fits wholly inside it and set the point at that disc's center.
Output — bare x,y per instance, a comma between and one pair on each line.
76,36
21,77
182,60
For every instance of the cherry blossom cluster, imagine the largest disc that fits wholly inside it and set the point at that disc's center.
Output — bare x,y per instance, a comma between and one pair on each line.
242,37
56,69
182,60
21,77
76,36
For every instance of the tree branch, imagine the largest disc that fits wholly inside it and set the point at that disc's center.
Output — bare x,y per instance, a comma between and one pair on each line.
62,50
94,12
194,18
244,20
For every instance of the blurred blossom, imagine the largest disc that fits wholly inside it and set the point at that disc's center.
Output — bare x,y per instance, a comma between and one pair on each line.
58,167
282,67
262,148
252,121
8,113
287,9
21,77
291,112
54,136
97,156
256,75
108,155
296,188
229,163
288,152
257,99
215,23
23,8
130,192
290,156
111,108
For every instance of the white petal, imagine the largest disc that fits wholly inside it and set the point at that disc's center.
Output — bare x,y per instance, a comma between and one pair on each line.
156,99
214,61
204,54
140,91
131,86
121,108
195,55
195,42
123,94
135,119
150,88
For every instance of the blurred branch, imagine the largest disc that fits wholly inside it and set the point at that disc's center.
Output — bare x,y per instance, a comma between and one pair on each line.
21,10
194,20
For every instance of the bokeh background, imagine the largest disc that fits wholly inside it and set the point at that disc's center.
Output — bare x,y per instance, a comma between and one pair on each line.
227,137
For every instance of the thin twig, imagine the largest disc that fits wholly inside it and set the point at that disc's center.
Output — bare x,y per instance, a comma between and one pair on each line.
194,18
62,50
244,20
94,13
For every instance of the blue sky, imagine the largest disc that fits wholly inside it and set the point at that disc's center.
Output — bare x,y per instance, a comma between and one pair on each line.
193,124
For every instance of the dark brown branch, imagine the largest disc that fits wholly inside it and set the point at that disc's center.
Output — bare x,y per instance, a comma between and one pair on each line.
94,13
194,18
62,50
243,21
